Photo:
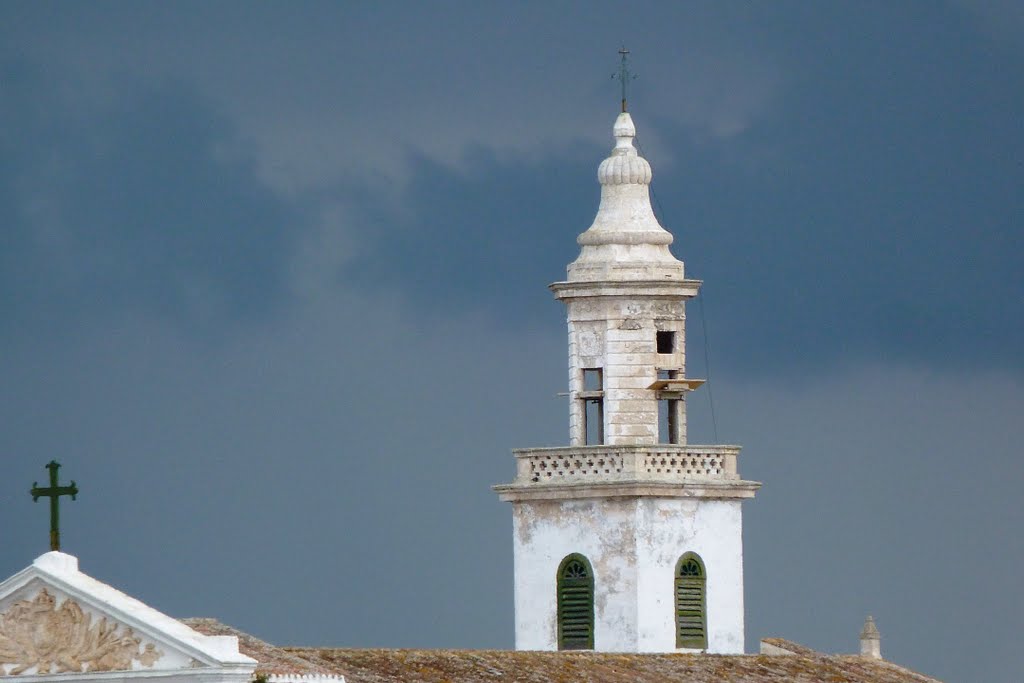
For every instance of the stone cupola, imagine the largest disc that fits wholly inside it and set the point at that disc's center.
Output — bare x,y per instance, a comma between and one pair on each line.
625,242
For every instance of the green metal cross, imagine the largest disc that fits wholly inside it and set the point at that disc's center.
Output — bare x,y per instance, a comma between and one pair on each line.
624,75
54,492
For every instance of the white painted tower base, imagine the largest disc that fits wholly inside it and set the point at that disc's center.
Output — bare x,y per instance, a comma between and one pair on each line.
633,543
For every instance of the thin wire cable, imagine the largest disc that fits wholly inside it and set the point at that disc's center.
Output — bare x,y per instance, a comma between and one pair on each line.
700,303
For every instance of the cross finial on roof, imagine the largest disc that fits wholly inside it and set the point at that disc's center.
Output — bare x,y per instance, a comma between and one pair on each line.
54,492
624,74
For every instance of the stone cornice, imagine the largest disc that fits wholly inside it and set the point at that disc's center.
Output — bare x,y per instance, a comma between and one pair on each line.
651,288
719,490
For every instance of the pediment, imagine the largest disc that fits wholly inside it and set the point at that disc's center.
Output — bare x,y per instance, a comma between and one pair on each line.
56,621
53,633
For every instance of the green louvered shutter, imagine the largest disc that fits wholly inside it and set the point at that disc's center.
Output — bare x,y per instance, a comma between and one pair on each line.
691,614
575,604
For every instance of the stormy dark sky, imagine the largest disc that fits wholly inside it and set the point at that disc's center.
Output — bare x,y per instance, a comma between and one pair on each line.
273,289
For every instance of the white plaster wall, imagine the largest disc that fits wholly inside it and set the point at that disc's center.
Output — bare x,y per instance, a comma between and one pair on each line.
601,530
633,545
669,527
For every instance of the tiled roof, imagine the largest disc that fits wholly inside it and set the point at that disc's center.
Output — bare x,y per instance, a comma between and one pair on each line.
494,666
506,666
272,660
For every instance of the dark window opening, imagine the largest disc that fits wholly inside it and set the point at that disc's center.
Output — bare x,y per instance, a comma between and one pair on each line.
666,341
594,417
593,406
668,420
668,413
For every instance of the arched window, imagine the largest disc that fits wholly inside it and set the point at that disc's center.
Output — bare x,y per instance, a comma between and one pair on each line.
691,604
575,604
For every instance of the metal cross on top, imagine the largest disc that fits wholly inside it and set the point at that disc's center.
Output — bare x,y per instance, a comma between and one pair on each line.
624,75
54,492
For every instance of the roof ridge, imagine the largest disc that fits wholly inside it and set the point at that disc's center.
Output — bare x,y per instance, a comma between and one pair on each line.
272,659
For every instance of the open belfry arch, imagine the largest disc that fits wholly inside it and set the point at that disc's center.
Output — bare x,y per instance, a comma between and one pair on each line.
628,493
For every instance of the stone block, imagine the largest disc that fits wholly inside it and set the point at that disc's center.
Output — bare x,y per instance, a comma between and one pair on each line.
628,382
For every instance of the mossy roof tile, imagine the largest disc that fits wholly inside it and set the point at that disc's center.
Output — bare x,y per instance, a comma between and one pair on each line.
511,666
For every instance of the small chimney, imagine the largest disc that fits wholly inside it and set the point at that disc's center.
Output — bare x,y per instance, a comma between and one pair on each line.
870,640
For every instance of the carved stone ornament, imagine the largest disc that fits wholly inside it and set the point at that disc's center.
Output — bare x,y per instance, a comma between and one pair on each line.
37,633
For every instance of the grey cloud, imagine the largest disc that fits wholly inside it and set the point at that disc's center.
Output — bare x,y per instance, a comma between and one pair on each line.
343,92
882,485
805,264
285,401
310,481
1003,20
131,205
346,440
815,245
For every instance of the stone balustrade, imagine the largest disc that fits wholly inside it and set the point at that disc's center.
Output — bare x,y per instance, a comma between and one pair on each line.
600,464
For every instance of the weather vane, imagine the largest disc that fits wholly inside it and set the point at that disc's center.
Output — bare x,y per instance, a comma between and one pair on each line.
624,74
54,492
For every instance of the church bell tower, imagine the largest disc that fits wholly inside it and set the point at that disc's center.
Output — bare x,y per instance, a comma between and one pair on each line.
629,539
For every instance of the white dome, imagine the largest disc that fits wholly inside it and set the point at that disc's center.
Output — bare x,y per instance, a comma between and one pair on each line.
624,166
624,169
625,241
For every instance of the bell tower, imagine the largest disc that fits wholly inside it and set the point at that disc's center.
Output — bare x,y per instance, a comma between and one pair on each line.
629,539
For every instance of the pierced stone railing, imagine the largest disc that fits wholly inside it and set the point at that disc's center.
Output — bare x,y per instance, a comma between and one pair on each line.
660,463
